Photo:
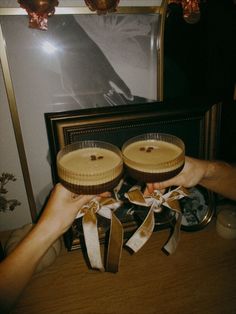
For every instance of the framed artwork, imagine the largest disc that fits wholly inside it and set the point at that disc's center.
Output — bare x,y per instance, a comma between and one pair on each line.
198,209
116,125
82,61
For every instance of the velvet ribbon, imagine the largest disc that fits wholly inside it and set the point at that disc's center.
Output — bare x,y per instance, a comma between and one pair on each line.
155,202
104,208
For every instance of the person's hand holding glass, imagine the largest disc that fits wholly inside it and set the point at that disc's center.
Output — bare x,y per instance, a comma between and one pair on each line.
94,167
148,158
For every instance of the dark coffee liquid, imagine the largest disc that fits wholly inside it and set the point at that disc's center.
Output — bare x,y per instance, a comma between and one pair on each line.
91,189
152,177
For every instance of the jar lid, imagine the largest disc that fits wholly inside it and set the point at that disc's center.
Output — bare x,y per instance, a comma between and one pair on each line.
227,218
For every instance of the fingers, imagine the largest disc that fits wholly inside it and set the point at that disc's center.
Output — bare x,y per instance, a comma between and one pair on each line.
164,184
161,186
113,97
122,86
82,198
105,194
90,197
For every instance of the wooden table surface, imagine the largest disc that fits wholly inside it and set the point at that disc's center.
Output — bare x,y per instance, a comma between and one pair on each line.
200,277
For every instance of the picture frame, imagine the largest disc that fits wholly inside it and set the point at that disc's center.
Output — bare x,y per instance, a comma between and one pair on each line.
198,209
43,87
116,125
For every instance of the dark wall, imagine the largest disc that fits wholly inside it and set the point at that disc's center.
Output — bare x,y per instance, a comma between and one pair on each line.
227,149
200,62
200,58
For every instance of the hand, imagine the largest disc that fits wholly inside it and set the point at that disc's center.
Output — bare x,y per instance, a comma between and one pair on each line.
17,269
62,208
193,172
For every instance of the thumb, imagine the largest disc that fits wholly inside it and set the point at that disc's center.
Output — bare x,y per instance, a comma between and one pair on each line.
165,184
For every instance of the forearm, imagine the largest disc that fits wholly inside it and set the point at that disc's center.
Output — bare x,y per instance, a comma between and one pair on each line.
17,269
220,177
16,272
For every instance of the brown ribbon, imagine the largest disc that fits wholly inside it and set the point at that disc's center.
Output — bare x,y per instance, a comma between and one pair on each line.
89,213
155,202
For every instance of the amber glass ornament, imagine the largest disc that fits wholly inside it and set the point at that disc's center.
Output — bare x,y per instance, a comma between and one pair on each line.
39,11
102,6
191,10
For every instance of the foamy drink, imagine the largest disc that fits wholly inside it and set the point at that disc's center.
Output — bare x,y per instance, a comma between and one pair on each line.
90,167
153,157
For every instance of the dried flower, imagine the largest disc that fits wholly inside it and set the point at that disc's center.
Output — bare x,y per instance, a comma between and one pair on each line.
6,204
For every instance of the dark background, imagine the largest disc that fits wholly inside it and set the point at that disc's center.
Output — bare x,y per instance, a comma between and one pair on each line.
200,63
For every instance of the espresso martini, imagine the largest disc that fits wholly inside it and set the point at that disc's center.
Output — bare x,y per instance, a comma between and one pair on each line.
153,157
90,167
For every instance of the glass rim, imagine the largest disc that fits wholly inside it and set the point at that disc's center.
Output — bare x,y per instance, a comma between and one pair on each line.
153,137
87,144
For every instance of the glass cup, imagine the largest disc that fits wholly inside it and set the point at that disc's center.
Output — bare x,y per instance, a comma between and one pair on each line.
89,167
153,157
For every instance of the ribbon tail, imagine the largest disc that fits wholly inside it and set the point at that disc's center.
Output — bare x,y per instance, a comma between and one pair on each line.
143,233
115,245
92,240
173,241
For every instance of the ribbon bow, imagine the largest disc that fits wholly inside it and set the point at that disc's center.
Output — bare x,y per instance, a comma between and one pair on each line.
89,213
155,203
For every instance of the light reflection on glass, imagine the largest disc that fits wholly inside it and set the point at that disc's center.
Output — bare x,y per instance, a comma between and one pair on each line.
49,47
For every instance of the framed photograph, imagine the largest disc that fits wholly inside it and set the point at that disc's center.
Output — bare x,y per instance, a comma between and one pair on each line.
83,60
116,125
198,209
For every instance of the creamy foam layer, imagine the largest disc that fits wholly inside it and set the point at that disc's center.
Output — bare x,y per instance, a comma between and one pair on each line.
153,156
90,166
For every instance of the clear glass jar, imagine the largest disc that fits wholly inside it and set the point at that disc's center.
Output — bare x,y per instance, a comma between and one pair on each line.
226,223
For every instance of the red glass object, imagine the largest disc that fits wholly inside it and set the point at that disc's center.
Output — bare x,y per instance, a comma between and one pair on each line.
39,11
102,6
191,10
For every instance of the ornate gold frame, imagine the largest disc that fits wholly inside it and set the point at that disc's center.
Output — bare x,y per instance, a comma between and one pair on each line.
9,84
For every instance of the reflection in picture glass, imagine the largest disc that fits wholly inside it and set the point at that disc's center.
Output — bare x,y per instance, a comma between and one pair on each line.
80,62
